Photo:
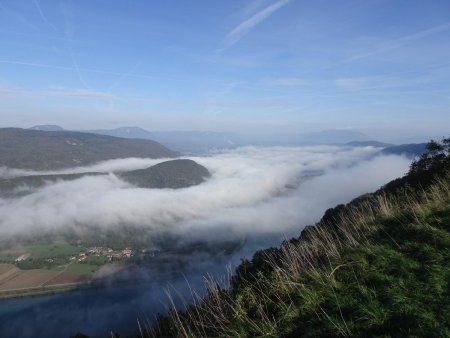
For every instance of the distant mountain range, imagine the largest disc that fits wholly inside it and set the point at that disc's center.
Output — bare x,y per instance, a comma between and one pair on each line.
409,150
50,150
204,141
184,141
369,144
332,136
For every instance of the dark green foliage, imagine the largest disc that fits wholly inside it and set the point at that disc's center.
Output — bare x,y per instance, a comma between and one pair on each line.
436,159
173,174
330,214
263,262
433,163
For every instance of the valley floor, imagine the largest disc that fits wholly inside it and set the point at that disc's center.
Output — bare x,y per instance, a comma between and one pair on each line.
15,282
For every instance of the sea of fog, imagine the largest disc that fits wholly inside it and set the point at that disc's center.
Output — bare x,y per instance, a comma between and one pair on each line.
261,194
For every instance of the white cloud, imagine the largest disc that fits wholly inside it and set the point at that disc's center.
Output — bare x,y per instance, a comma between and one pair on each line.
252,190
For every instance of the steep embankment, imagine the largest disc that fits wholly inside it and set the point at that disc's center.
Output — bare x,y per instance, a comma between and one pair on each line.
51,150
379,266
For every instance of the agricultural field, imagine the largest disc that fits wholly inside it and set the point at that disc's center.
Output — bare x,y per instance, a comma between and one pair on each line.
14,278
52,250
38,267
37,253
81,268
7,272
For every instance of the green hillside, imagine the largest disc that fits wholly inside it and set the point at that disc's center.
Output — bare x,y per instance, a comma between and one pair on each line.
51,150
378,266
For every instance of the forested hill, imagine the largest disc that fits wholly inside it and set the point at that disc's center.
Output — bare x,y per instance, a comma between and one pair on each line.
378,266
180,173
50,150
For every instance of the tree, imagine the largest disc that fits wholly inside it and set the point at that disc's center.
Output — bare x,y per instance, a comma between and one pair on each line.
435,160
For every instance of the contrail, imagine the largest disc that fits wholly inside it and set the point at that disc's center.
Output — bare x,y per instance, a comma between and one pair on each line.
123,76
41,14
246,26
77,69
399,42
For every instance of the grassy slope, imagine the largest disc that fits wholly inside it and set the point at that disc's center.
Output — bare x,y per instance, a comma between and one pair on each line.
378,267
393,280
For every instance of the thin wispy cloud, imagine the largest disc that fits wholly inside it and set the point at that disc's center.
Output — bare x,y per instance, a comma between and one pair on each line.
8,91
80,93
88,70
288,81
77,70
124,75
69,33
350,82
42,15
383,83
399,42
242,29
66,10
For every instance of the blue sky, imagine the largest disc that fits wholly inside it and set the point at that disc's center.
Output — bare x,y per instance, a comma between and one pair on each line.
282,66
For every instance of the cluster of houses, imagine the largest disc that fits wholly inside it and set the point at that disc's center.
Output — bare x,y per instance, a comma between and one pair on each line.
102,251
93,251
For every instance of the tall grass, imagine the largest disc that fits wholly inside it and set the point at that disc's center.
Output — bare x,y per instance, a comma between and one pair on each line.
304,277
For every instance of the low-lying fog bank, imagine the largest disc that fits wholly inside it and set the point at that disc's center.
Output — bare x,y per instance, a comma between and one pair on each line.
252,190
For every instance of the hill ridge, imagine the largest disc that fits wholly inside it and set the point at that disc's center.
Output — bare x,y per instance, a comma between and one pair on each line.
50,150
